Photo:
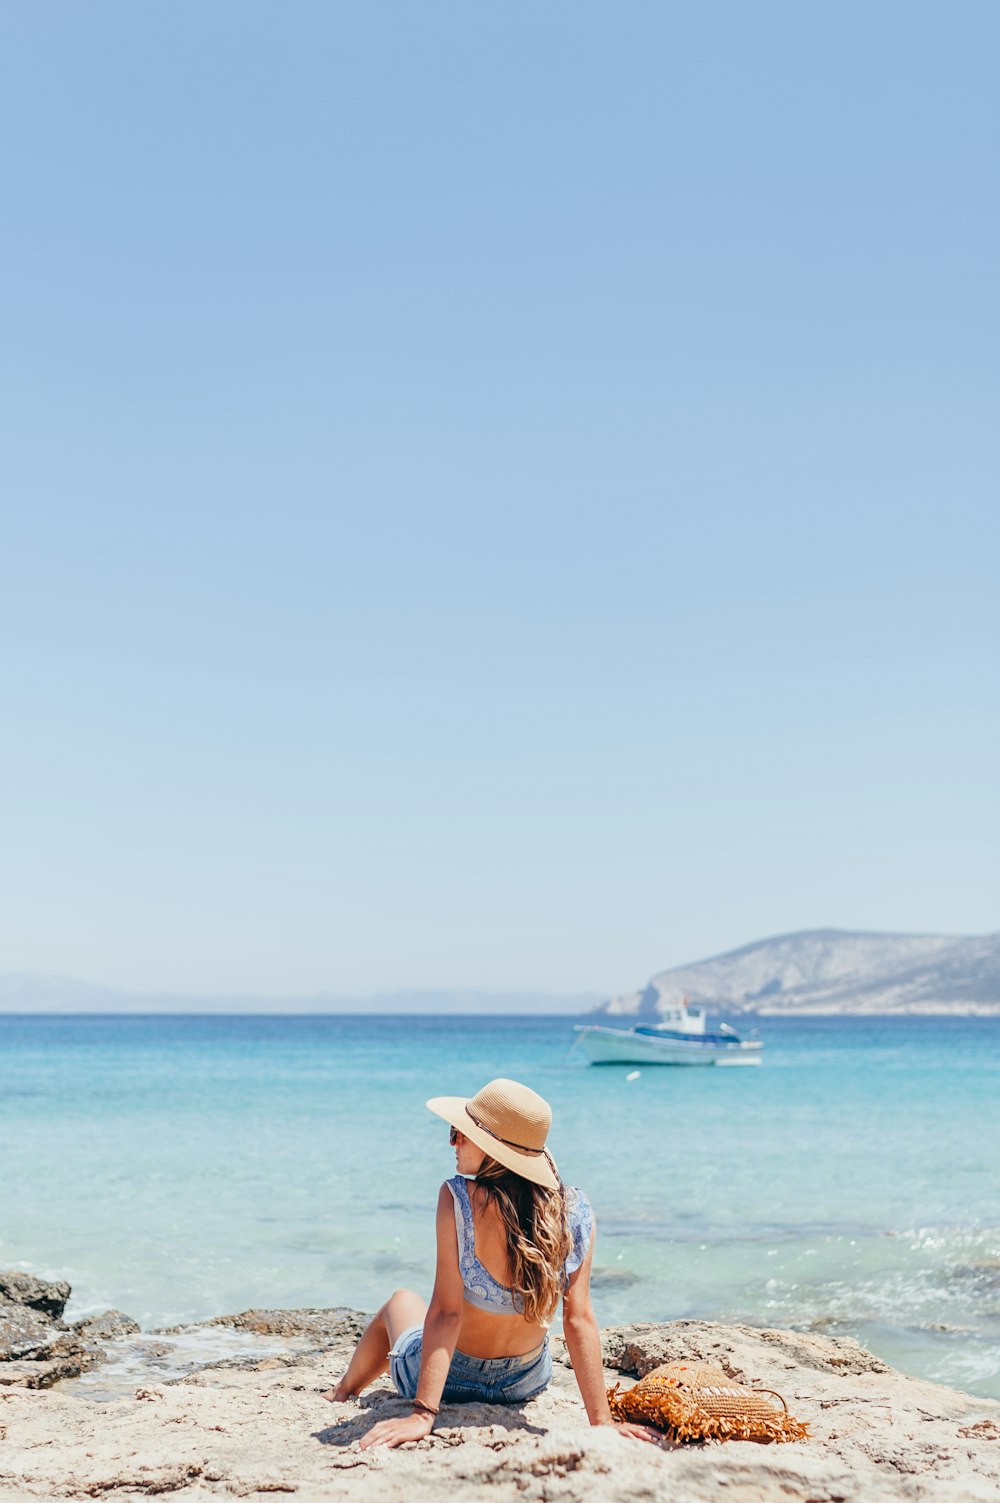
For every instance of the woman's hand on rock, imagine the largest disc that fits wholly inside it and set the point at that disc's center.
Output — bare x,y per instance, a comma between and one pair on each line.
396,1432
638,1432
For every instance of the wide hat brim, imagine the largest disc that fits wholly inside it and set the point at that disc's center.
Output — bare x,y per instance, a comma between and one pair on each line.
537,1167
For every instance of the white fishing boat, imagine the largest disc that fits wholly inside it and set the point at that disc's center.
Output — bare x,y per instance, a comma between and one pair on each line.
680,1037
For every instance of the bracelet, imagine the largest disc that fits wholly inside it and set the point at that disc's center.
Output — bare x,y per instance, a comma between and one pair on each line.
423,1408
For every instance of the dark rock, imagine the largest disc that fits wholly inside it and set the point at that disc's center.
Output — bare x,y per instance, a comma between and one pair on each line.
107,1327
36,1348
249,1364
24,1332
71,1351
37,1294
39,1374
38,1362
337,1324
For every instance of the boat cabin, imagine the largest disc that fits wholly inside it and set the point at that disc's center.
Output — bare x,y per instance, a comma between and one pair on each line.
683,1019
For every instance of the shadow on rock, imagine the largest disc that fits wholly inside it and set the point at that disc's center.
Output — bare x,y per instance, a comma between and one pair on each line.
470,1417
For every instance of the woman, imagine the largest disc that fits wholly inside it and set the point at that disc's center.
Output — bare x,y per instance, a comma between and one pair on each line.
511,1239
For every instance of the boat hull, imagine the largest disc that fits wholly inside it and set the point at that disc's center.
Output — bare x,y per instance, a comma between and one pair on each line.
621,1046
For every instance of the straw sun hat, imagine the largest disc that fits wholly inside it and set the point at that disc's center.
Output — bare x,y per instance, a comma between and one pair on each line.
508,1121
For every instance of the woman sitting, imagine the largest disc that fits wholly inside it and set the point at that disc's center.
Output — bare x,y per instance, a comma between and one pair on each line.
511,1240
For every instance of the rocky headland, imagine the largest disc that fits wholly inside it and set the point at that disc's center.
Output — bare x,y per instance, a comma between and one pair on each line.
829,972
252,1425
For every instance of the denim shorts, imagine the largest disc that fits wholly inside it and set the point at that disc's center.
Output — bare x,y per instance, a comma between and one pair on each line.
473,1380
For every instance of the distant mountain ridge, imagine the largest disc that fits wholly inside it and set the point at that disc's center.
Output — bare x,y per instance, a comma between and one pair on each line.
833,971
40,992
816,971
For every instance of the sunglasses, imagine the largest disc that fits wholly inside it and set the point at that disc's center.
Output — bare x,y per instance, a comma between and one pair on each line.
453,1136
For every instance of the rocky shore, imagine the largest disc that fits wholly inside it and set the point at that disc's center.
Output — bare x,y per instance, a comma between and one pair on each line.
252,1425
37,1347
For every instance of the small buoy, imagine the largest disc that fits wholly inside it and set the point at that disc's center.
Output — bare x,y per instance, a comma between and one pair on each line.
633,1075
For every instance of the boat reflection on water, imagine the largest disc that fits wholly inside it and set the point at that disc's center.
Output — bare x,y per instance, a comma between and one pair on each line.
680,1037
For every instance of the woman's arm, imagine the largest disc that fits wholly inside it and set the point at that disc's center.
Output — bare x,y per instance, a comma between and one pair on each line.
583,1342
441,1327
444,1313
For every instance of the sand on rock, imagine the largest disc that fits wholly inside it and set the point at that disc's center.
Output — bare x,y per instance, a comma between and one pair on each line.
261,1429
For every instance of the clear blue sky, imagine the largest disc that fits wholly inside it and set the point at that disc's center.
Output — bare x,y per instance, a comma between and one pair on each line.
494,495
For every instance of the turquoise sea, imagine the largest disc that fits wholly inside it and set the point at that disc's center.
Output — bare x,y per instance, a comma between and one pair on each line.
182,1167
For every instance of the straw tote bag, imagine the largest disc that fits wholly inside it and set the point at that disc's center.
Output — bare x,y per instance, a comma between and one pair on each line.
698,1401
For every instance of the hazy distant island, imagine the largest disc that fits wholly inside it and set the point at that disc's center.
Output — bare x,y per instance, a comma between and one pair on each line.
814,972
39,992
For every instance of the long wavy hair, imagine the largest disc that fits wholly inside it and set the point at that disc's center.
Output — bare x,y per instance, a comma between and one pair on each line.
536,1225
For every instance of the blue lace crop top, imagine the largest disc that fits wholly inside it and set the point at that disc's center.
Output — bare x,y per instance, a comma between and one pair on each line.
481,1288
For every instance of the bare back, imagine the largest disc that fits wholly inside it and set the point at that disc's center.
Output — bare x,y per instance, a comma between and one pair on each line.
486,1333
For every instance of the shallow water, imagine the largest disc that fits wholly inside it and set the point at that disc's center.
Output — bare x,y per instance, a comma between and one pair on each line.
132,1360
181,1167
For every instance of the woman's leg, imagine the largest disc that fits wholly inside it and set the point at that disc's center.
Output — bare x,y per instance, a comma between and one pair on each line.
371,1355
